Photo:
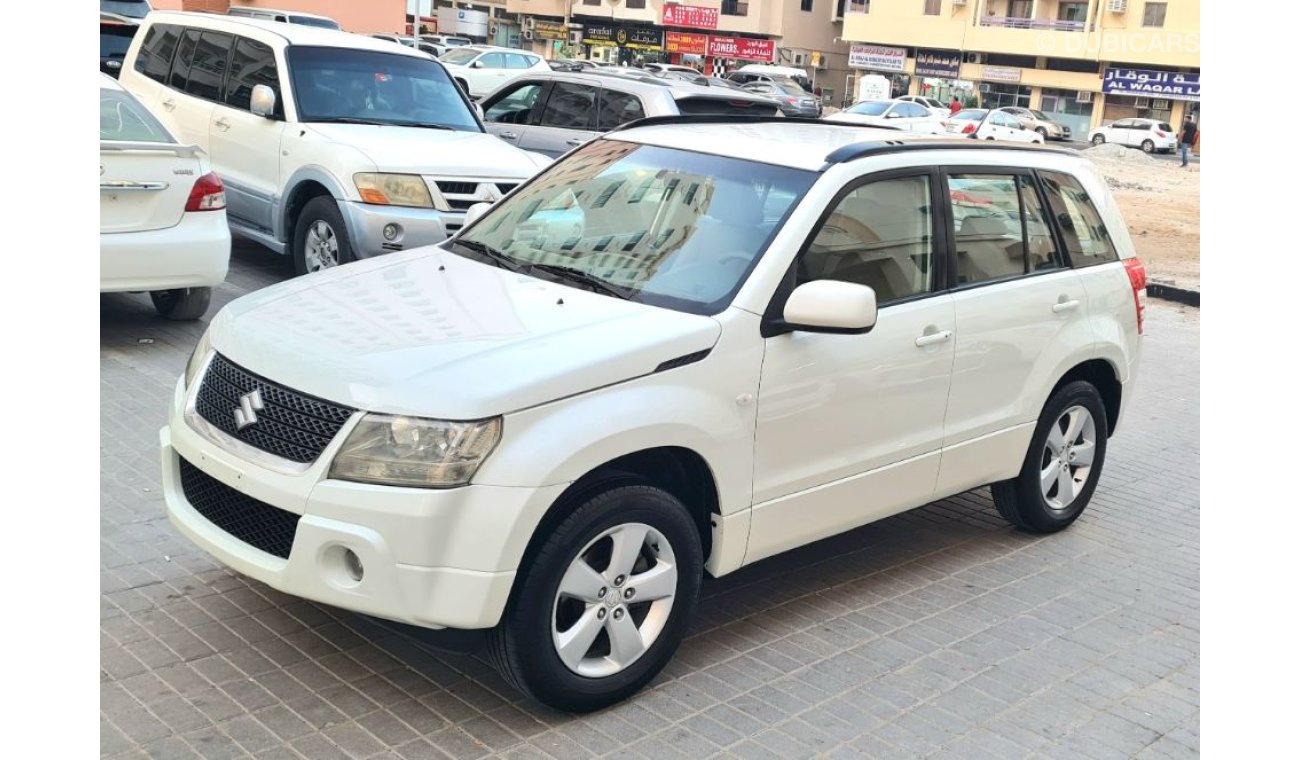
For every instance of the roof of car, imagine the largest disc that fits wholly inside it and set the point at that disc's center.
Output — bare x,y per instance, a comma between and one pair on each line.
795,143
238,10
294,34
643,83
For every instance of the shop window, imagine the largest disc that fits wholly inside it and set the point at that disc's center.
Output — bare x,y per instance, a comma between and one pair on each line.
1073,64
636,4
1153,15
932,7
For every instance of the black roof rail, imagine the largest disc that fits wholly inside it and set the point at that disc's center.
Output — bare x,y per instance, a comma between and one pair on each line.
727,118
854,151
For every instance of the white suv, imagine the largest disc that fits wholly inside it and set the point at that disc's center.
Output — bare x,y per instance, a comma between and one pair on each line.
332,146
679,350
480,69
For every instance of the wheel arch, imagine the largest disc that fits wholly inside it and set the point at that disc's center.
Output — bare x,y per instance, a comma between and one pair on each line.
1102,375
306,183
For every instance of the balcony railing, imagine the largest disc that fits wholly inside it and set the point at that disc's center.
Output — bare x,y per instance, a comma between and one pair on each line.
1016,22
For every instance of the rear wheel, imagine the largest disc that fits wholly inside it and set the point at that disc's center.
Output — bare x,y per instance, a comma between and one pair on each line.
1042,132
1098,139
1064,462
320,238
182,304
1148,146
604,603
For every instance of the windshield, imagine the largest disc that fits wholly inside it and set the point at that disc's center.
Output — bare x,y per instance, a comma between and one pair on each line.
870,107
114,39
789,87
667,227
1039,115
335,84
971,114
323,23
129,8
459,56
121,117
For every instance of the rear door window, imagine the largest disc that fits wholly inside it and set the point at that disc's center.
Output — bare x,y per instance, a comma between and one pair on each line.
617,108
1000,230
570,106
516,107
180,72
154,59
252,63
493,61
1082,231
208,67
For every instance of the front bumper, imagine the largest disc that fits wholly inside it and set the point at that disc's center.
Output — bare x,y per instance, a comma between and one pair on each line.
194,253
416,227
432,558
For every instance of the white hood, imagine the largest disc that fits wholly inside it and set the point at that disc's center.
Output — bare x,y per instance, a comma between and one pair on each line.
433,334
436,152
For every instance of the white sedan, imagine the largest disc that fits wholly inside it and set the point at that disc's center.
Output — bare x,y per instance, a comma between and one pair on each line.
162,218
985,125
1148,134
933,105
889,113
480,69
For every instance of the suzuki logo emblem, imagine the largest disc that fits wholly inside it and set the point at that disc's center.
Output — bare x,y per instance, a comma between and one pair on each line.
249,405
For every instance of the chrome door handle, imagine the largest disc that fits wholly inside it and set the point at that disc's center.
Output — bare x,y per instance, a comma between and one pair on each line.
508,136
169,104
933,338
222,123
1065,306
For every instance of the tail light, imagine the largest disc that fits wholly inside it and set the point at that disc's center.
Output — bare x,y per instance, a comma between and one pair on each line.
1137,278
1161,134
792,101
969,129
208,194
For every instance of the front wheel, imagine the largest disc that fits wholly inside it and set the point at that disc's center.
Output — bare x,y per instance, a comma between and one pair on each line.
1063,465
320,238
604,603
1098,139
1042,132
181,304
1148,146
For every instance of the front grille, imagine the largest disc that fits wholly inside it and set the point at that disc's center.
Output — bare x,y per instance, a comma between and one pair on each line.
458,204
458,188
506,187
290,425
254,522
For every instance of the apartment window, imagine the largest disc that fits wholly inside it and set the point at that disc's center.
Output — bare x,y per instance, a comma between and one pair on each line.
735,8
1020,8
1072,12
636,3
932,7
805,5
859,6
1154,14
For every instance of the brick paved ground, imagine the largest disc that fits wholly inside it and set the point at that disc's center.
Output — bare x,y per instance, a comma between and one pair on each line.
939,633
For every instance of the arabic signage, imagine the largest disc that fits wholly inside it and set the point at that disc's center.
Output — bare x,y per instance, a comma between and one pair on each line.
744,48
999,74
1165,84
693,16
549,30
635,37
688,44
878,57
938,63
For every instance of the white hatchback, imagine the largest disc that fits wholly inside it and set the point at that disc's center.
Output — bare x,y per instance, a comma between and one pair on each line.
162,219
984,124
681,349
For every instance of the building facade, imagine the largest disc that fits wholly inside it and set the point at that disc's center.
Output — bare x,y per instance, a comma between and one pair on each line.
1083,62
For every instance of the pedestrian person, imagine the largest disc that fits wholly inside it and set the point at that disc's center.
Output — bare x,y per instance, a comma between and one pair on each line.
955,106
1187,138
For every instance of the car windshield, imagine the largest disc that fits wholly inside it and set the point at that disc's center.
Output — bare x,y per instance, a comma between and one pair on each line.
362,86
788,86
129,8
1040,115
323,23
971,114
114,39
1165,127
870,107
122,118
459,56
667,227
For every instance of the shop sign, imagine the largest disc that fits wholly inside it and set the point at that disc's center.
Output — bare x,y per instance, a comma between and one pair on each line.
999,74
549,30
945,64
685,43
693,16
1166,84
743,48
635,37
878,58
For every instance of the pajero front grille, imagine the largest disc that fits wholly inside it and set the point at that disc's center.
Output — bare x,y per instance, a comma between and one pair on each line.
283,422
458,194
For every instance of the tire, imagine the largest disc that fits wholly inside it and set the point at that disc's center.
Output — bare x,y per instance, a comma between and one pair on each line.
1148,146
1098,139
320,237
182,304
1042,132
525,645
1022,501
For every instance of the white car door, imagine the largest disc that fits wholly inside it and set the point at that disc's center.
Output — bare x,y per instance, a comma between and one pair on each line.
849,426
1019,319
487,73
244,145
510,112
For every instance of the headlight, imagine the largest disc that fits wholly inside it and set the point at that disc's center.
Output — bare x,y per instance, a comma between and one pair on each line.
410,451
393,189
197,358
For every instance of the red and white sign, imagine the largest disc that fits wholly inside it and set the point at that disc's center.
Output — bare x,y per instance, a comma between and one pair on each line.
693,16
686,43
743,48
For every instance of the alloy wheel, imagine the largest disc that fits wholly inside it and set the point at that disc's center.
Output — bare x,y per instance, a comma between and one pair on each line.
1067,457
321,248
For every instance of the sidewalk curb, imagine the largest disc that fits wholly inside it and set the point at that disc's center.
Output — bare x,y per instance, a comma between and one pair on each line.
1171,293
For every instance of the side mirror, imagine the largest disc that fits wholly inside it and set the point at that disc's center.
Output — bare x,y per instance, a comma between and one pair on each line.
893,115
473,213
831,306
476,65
262,101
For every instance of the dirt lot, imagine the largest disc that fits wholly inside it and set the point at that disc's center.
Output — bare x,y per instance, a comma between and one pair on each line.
1162,204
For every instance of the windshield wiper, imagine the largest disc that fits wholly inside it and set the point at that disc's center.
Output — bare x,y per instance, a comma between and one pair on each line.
344,120
582,278
421,125
495,256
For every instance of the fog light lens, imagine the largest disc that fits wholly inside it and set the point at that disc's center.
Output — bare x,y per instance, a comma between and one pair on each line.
353,564
391,231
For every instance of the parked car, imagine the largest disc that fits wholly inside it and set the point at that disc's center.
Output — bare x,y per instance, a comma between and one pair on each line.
553,112
447,40
933,105
332,146
284,17
480,69
742,338
136,9
671,69
162,219
989,125
762,72
899,114
794,101
115,35
1148,134
1039,122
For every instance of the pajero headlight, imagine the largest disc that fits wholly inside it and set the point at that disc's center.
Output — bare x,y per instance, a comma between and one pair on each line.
410,451
393,189
197,358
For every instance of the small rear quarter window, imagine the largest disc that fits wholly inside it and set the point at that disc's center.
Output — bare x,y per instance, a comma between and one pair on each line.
1083,232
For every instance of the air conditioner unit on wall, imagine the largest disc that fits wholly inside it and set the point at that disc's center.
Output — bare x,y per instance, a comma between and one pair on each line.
1083,96
1117,6
1142,102
530,23
973,58
1161,105
528,34
575,38
799,59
